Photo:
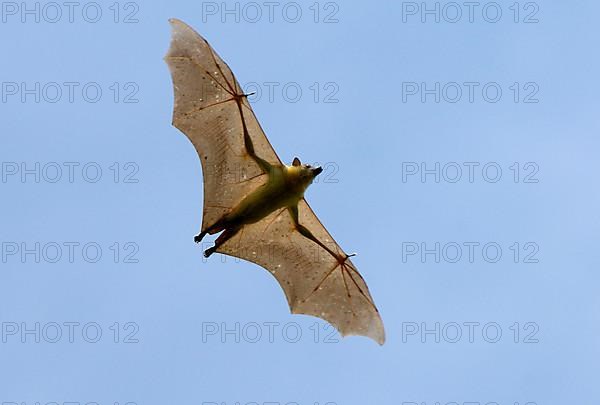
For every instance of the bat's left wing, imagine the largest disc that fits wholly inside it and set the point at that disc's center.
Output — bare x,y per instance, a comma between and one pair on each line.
314,281
211,110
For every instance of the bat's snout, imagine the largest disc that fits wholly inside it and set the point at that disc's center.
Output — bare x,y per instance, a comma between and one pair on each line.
317,170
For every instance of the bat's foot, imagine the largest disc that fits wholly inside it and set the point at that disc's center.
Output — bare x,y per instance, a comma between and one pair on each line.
198,238
210,251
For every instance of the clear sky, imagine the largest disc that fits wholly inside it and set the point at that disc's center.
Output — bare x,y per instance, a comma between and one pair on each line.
475,218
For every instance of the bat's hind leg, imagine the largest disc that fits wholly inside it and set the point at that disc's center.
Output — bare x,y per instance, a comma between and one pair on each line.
224,237
198,238
216,227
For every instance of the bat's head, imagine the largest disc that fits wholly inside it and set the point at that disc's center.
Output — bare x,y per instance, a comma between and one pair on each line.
301,174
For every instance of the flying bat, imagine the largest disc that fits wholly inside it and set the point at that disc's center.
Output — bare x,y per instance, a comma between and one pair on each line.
256,201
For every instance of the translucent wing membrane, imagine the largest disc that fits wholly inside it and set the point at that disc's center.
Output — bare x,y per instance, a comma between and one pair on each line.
314,282
206,110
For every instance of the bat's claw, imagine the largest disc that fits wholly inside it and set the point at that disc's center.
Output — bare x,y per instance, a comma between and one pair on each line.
342,258
243,95
198,238
209,251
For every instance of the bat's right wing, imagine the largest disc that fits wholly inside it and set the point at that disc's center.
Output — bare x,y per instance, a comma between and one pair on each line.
314,282
210,110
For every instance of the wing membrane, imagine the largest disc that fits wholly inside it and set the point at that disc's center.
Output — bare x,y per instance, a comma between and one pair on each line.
206,111
314,282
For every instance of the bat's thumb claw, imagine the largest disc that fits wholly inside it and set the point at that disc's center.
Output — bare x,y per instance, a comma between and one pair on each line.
342,259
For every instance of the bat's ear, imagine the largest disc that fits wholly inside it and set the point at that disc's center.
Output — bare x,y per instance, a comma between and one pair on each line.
296,162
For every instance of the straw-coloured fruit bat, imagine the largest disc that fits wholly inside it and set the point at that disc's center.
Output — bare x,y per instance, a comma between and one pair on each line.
257,202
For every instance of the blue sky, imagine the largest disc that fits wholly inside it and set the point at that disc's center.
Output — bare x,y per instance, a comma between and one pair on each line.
106,299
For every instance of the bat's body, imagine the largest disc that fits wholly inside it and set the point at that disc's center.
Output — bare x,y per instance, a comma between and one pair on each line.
284,188
266,207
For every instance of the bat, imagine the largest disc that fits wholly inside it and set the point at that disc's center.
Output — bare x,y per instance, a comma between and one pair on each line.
254,200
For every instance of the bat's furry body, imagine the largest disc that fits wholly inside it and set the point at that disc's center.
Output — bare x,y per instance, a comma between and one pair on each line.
262,214
284,188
